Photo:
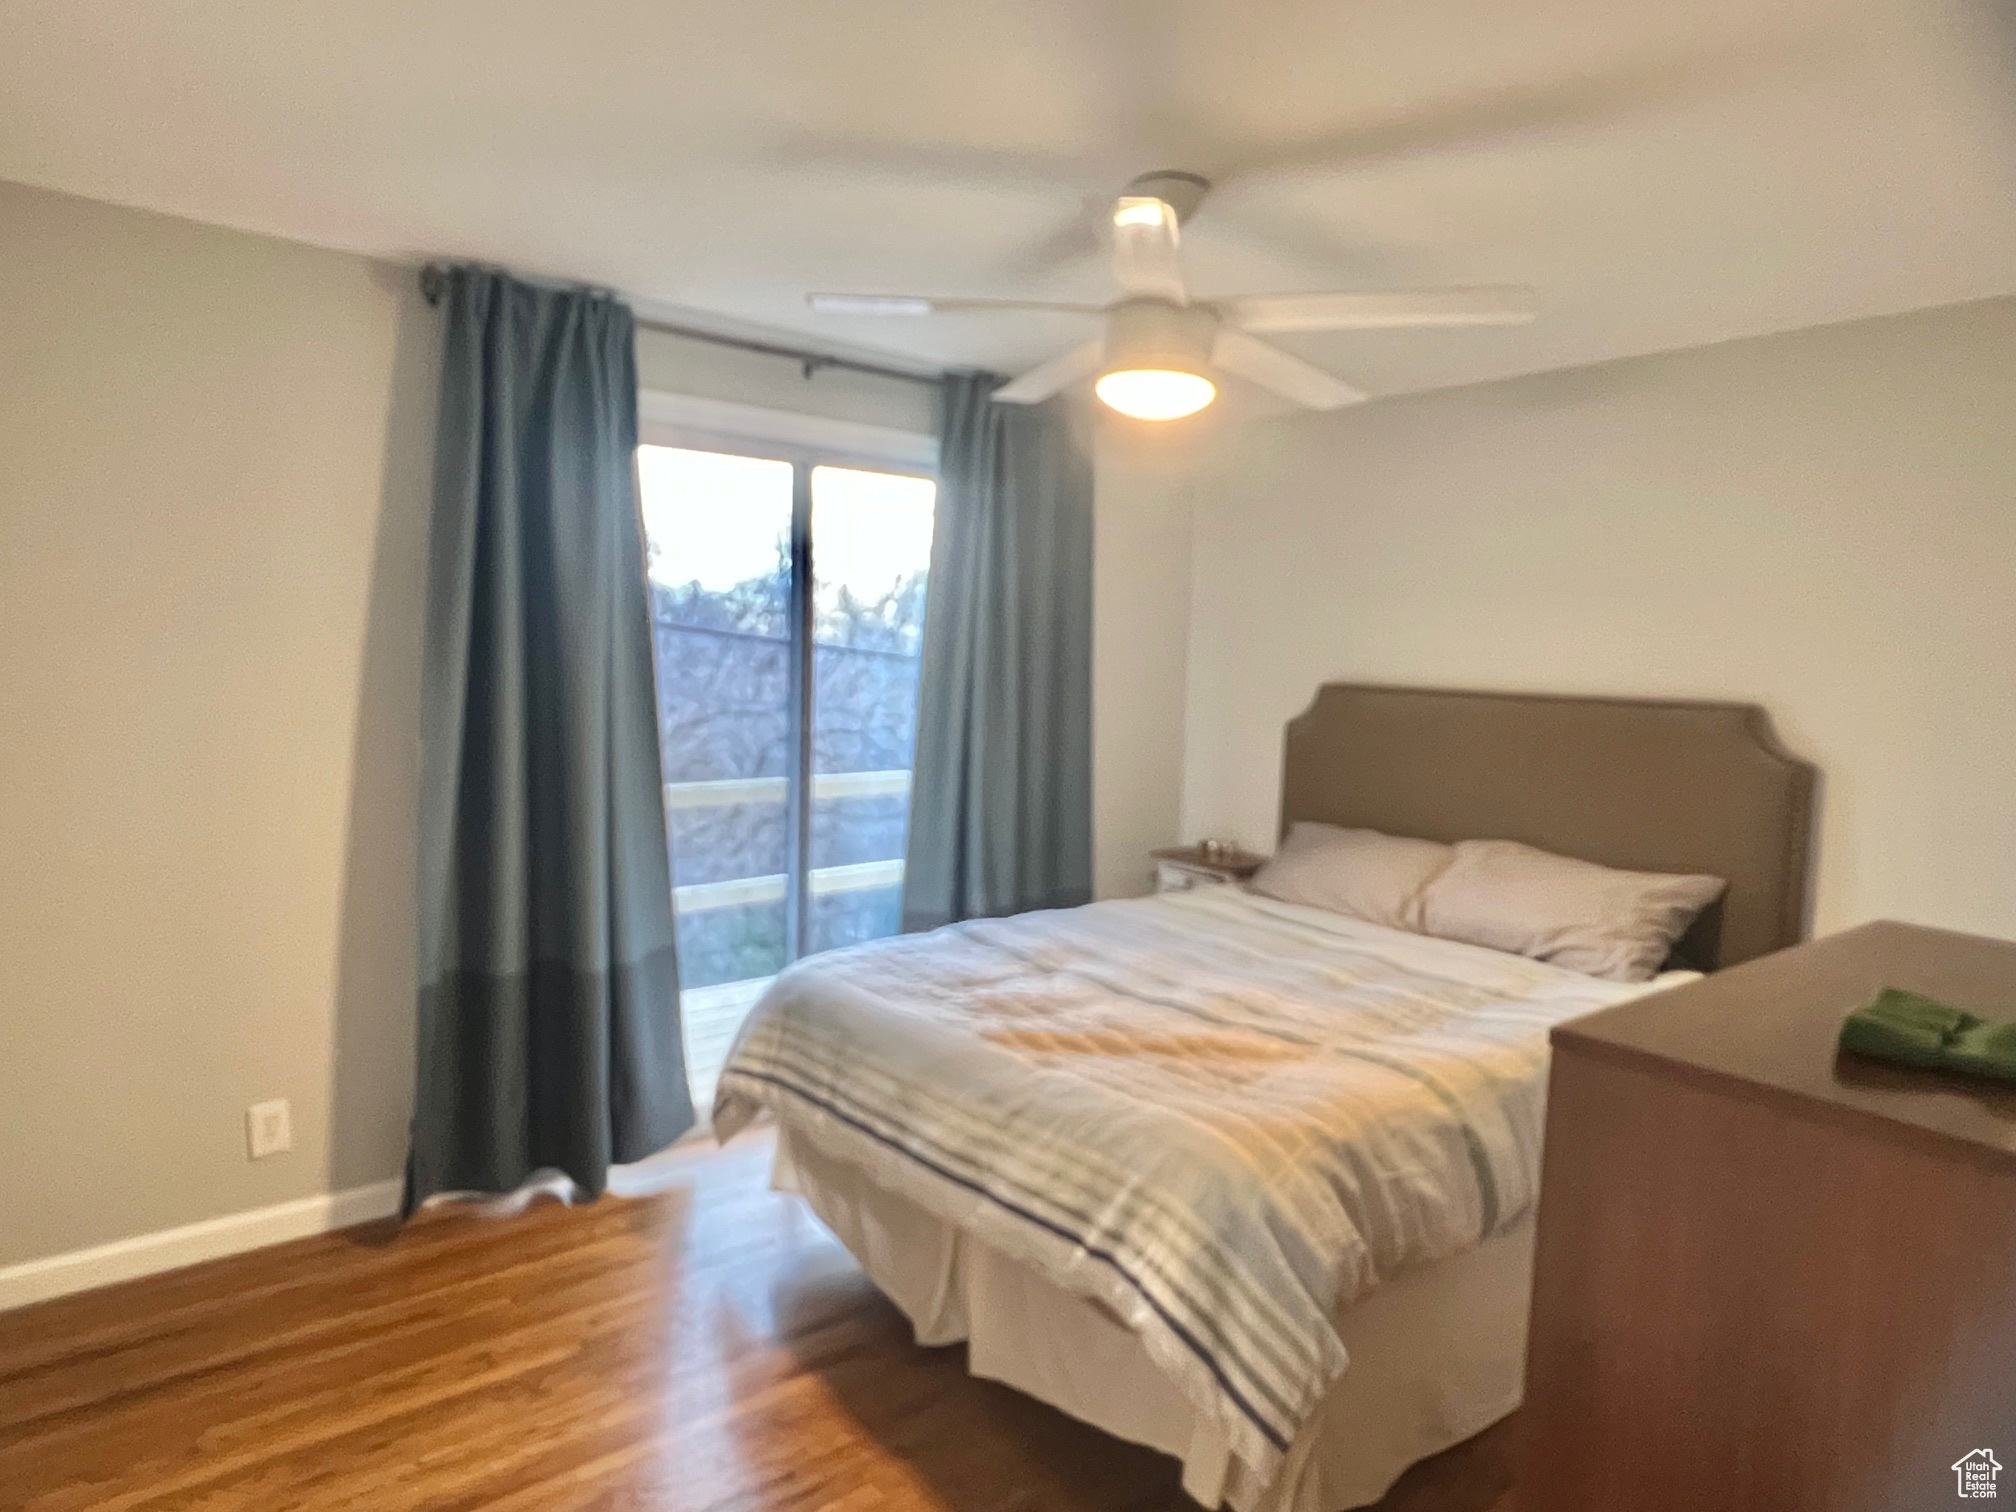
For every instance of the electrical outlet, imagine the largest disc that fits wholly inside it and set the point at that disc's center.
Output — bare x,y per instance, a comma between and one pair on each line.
269,1129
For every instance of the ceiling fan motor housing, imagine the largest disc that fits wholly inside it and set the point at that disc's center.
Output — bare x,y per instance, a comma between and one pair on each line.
1152,333
1181,191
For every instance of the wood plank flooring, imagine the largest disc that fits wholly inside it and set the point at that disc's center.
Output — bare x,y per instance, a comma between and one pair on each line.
709,1350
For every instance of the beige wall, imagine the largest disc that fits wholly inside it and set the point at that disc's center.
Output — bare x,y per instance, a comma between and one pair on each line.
213,453
1823,522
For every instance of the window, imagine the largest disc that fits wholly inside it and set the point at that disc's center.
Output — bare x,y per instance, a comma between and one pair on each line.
787,602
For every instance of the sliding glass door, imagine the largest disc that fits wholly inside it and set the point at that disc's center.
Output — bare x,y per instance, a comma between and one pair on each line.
787,599
871,551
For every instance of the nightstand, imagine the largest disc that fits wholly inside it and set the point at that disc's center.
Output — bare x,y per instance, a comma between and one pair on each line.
1178,868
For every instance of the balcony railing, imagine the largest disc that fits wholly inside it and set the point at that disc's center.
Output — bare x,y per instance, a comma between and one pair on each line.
738,892
727,790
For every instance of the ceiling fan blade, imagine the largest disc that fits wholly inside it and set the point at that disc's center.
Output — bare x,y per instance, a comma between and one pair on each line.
1064,243
917,304
1335,243
1051,377
1626,88
1145,249
911,162
1484,306
1281,372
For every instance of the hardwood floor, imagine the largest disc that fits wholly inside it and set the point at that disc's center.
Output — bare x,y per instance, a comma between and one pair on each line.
709,1350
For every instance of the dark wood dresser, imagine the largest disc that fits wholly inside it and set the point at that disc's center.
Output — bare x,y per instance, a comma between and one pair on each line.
1770,1278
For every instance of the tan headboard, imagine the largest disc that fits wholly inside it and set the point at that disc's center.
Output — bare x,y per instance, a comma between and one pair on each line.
1634,782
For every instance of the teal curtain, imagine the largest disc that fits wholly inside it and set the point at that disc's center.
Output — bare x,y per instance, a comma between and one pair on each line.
1001,794
549,984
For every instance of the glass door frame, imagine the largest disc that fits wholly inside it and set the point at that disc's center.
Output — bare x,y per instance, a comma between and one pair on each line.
802,459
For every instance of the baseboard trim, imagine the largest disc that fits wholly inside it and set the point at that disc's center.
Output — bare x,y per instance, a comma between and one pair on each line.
213,1238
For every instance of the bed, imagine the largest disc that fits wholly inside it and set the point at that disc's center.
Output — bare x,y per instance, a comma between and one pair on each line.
1249,1182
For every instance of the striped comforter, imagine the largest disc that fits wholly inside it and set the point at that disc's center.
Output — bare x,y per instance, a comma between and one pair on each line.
1220,1116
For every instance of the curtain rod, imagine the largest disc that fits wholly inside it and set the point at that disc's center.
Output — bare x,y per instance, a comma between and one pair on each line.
434,282
810,362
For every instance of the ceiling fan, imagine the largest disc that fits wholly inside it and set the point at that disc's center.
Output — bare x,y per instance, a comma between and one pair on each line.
1160,353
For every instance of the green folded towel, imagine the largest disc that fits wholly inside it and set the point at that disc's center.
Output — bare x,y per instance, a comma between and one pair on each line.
1911,1030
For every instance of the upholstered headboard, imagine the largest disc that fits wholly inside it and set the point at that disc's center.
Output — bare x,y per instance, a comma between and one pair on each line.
1642,783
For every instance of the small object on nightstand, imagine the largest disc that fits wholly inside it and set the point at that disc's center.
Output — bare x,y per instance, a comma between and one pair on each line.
1178,868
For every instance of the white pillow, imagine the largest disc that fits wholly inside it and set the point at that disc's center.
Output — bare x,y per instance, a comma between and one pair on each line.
1594,919
1359,872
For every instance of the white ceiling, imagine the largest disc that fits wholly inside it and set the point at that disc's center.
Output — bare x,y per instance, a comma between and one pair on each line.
1663,174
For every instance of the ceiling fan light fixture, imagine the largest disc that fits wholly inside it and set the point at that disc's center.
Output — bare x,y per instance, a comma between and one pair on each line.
1158,357
1154,393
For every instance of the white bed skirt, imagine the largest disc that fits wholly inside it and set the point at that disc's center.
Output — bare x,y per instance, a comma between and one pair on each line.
1436,1356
